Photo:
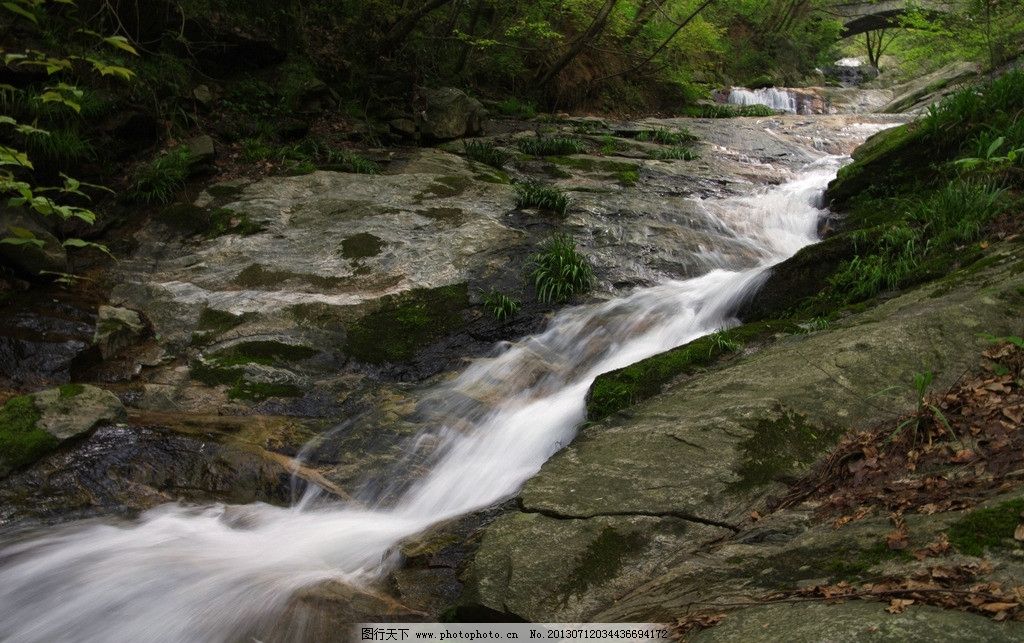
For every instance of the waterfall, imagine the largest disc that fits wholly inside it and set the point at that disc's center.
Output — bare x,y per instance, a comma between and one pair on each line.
186,573
780,99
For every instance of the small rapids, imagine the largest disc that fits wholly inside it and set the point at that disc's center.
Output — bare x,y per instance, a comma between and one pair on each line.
219,572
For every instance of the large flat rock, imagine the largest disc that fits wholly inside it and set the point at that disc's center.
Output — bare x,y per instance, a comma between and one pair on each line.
713,448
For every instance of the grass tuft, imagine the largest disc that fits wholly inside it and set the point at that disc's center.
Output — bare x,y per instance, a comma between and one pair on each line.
559,271
535,195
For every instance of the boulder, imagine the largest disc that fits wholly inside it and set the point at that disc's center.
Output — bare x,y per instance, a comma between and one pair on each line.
201,151
921,92
74,409
713,448
116,329
803,275
447,113
33,425
27,256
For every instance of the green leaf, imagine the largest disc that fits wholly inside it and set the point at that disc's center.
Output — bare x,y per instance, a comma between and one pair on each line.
106,69
996,144
81,243
21,11
120,42
11,156
13,241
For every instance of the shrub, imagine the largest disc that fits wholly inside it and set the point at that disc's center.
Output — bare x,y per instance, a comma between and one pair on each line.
559,270
535,195
501,306
486,153
159,180
551,145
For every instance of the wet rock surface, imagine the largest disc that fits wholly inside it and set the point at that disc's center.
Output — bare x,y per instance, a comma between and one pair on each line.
313,310
766,418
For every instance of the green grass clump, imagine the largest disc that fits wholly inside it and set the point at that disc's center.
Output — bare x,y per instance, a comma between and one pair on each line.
559,271
535,195
677,153
21,441
987,528
551,145
501,305
666,137
60,147
516,108
916,244
486,152
255,150
158,181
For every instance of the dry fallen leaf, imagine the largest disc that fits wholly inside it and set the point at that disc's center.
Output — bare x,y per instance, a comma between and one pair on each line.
897,605
1018,533
997,607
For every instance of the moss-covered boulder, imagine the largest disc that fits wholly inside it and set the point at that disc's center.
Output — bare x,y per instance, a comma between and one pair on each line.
803,275
883,160
33,425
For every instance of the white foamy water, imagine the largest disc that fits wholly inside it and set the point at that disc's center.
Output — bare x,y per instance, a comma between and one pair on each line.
210,573
781,99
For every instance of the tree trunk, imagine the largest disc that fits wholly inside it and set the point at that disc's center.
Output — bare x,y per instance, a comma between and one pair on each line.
596,27
401,29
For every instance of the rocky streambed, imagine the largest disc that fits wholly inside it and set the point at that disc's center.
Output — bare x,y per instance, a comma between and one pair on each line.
278,333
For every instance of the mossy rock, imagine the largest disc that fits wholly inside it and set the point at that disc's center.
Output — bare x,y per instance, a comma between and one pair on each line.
361,246
803,275
616,390
33,425
887,159
22,442
780,448
406,323
988,528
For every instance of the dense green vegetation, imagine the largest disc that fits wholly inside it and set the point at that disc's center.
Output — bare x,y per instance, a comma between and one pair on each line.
948,179
21,441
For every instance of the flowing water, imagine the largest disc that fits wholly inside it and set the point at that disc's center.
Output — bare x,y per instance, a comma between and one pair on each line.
183,573
774,97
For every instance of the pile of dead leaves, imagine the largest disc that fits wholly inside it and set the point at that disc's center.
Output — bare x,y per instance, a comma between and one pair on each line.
960,448
957,587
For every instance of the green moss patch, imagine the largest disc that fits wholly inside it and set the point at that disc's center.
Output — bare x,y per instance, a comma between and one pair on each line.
406,323
262,352
453,216
259,276
21,441
780,447
70,390
210,223
619,389
989,528
602,559
361,246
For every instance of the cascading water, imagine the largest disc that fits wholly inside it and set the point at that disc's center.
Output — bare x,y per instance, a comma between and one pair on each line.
210,573
780,99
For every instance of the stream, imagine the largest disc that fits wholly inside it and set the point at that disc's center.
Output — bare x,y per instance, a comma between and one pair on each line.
219,572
